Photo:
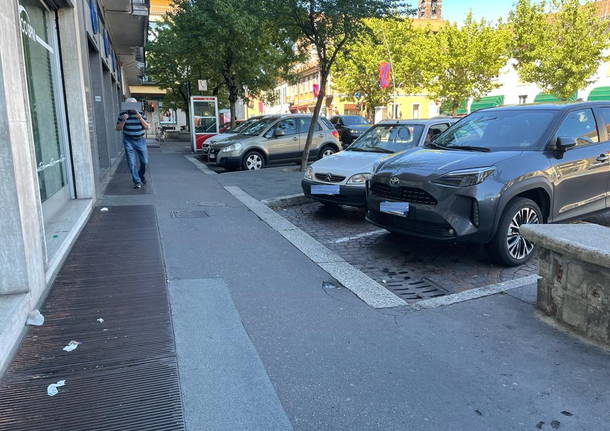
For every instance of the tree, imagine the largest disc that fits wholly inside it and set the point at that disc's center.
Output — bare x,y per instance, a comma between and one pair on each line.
172,66
323,28
558,45
357,68
463,62
232,43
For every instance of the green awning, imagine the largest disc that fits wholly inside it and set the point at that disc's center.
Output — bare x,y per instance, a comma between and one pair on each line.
549,98
487,102
462,109
599,93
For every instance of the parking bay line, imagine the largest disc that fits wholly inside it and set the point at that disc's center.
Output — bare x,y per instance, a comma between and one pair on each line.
360,235
367,289
476,293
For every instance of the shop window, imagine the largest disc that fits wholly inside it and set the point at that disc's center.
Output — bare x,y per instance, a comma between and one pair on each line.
41,57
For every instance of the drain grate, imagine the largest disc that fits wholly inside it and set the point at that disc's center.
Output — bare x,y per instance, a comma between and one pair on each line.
416,290
124,375
404,283
189,214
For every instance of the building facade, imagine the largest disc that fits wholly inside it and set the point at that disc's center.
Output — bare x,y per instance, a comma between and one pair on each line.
65,66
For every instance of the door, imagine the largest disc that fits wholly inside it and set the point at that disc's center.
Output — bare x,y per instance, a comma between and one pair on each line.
604,113
317,139
285,147
582,173
41,56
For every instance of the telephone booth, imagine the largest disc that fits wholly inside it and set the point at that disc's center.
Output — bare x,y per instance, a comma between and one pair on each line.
204,119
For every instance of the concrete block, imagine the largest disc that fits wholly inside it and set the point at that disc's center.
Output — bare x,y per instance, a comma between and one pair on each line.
573,312
576,275
598,324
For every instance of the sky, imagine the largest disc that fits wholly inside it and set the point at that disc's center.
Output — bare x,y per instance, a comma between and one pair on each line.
456,10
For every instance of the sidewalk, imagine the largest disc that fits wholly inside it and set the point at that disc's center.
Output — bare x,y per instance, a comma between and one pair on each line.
261,345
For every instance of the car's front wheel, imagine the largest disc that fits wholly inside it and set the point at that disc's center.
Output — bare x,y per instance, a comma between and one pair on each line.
509,247
253,161
327,150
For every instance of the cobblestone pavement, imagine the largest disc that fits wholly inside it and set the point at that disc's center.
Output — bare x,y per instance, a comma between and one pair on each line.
411,267
401,263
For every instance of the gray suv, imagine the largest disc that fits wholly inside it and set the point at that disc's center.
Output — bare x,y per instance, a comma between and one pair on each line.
275,139
496,170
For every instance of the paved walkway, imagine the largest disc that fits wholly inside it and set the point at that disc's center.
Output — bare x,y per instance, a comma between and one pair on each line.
262,345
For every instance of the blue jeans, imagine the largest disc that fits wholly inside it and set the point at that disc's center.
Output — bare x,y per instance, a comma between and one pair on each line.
135,146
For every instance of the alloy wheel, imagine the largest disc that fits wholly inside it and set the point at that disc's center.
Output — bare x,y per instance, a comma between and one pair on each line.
518,247
328,152
254,162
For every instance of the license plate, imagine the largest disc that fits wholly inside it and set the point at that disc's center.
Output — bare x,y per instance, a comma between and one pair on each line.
212,156
395,208
323,189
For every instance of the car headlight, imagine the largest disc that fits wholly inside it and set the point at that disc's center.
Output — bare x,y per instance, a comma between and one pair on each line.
309,174
354,131
232,147
359,178
465,177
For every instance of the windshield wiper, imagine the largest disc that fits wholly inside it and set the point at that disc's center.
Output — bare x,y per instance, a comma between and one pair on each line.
468,148
434,145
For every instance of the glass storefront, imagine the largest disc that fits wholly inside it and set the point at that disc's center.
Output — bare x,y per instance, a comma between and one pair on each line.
41,64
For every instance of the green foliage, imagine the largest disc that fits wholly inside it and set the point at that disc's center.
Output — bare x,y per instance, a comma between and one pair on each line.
323,28
463,62
231,43
561,51
357,68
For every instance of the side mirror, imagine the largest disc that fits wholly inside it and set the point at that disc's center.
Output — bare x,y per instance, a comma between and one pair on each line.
279,132
565,143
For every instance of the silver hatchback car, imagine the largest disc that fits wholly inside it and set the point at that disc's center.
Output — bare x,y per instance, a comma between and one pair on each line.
275,139
340,179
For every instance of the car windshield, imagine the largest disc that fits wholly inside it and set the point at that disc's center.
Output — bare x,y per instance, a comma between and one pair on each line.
258,126
497,131
238,128
388,138
354,120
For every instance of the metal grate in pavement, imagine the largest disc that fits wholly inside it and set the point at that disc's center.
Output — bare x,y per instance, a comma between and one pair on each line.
189,214
123,375
402,284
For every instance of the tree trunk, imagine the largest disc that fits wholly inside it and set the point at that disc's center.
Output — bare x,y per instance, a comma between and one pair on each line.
232,101
314,118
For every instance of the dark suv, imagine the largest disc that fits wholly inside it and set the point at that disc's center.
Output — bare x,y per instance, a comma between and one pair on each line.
350,127
496,170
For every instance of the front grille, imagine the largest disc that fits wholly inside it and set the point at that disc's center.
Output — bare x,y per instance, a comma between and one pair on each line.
403,194
330,178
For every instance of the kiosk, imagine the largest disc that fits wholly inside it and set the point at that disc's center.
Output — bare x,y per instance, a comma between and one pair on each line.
204,119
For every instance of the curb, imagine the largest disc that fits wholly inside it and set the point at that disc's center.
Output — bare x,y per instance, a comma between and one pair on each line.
287,201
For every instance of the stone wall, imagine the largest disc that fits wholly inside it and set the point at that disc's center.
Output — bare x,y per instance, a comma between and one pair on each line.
574,265
576,293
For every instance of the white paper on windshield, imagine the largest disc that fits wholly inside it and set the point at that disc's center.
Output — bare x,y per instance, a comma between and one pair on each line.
395,208
323,189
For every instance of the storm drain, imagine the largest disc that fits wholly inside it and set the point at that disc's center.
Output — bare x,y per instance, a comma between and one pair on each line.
404,284
189,214
111,297
416,290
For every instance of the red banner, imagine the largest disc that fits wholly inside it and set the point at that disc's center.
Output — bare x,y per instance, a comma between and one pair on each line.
384,75
316,90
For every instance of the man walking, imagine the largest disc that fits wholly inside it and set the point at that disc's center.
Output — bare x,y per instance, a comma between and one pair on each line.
133,124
